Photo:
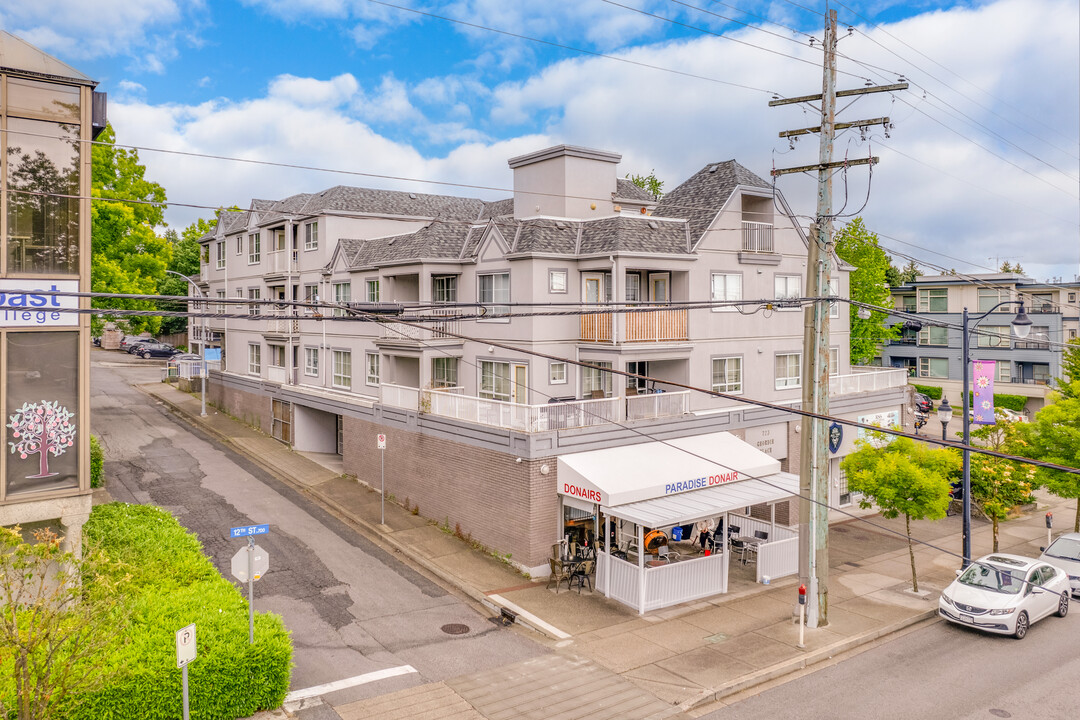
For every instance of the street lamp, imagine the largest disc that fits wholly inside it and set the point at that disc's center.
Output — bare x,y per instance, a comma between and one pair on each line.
944,414
202,377
1021,326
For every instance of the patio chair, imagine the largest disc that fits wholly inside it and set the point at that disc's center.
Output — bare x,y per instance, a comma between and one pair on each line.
666,554
582,573
559,574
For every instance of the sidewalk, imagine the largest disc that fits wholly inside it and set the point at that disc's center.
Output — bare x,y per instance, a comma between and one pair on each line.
688,656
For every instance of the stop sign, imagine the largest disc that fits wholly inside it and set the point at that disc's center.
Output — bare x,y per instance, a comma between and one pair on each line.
260,563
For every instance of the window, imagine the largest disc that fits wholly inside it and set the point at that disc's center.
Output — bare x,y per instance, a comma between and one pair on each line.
834,291
989,297
933,367
931,335
444,372
633,287
372,294
444,288
1042,302
239,244
372,373
311,361
908,303
343,369
1072,334
787,286
342,295
726,286
495,380
596,380
1072,297
277,355
640,367
727,374
221,255
254,249
495,288
834,362
311,236
279,240
557,281
788,371
994,336
253,307
221,298
844,491
557,373
1003,371
254,359
934,300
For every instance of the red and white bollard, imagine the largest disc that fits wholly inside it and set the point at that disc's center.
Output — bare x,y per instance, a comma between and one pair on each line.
1049,524
802,616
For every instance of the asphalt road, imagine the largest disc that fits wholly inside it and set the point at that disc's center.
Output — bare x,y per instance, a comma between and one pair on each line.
939,671
352,607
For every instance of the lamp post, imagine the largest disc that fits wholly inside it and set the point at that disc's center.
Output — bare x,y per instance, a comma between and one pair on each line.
944,414
202,376
1021,326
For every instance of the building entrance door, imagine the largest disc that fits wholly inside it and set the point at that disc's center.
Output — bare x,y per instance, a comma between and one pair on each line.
519,390
281,427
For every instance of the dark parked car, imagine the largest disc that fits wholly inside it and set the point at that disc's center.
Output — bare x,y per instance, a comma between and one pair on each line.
923,404
156,349
130,342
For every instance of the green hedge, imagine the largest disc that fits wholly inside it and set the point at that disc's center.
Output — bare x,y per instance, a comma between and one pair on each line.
930,391
97,463
174,585
1015,403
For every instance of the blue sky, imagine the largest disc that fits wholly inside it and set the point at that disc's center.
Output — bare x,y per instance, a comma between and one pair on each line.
980,166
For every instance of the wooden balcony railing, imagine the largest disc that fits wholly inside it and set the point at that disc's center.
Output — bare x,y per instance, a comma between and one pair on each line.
641,326
596,328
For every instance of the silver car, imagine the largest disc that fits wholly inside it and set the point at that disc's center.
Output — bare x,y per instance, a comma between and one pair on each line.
1065,553
1005,594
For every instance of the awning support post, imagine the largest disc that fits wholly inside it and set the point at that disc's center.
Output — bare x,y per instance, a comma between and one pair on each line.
607,551
641,568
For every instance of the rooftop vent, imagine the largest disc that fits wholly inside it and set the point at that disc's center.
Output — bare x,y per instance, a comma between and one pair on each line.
560,224
713,168
412,196
654,225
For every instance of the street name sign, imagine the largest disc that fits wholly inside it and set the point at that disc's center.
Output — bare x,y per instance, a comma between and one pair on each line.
248,530
260,563
185,645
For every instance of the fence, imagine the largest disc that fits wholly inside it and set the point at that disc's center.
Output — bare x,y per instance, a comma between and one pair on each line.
400,396
525,418
778,559
666,585
657,325
623,584
867,381
656,405
437,325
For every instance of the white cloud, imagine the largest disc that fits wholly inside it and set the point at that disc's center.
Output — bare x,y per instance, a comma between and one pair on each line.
309,91
112,27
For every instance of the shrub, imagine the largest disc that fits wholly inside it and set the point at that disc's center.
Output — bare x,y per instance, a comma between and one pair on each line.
1015,403
97,463
930,391
174,584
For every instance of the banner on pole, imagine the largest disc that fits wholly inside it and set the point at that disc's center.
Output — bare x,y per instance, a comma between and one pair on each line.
982,404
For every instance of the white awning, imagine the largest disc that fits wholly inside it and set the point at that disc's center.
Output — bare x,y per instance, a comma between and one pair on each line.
632,473
709,502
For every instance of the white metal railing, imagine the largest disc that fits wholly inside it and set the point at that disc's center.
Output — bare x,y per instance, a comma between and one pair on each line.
286,325
778,559
400,396
438,327
275,373
281,261
757,237
188,368
748,526
524,418
866,380
683,581
623,584
657,405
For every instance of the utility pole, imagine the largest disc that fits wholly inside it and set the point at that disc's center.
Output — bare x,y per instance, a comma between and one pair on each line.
814,455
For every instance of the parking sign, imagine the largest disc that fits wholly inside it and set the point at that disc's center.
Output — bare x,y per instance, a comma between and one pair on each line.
185,645
381,439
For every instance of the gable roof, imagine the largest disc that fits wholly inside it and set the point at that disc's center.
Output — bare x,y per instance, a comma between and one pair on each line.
19,56
627,190
343,198
700,198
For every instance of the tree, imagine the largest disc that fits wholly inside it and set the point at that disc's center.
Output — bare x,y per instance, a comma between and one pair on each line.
186,253
649,182
859,247
903,478
897,277
1070,370
999,485
128,257
40,429
59,615
1054,436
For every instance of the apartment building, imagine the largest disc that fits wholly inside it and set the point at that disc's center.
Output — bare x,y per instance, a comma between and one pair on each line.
476,386
931,353
46,109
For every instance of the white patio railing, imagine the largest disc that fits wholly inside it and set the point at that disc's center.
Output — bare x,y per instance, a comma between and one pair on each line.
524,418
684,581
623,584
281,261
399,396
757,237
867,380
778,559
656,405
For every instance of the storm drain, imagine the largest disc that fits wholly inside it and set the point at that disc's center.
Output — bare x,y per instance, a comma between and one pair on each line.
455,629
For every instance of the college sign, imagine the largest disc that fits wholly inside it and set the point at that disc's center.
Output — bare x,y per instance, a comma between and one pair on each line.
25,303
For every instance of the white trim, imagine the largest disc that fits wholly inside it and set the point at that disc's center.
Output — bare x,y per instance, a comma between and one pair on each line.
354,681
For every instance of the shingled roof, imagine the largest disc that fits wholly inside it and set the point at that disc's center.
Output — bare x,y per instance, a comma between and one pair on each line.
700,198
627,190
439,240
343,198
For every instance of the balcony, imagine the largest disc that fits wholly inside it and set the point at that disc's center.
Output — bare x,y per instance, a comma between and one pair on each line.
280,262
449,402
431,326
669,325
204,272
287,325
757,244
867,380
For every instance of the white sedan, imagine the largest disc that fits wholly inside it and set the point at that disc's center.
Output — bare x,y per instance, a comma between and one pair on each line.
1005,594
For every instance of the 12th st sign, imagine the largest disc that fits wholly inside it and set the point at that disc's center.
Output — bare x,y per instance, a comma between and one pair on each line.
248,531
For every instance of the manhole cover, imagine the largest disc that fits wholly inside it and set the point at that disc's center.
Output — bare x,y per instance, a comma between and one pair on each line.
455,629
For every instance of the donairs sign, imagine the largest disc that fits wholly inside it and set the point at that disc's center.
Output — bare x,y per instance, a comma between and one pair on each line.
23,304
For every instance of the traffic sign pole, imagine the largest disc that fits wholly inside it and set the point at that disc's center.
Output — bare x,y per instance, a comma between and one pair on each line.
183,678
251,590
380,443
186,651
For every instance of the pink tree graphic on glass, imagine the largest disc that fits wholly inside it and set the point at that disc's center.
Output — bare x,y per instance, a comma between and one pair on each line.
42,428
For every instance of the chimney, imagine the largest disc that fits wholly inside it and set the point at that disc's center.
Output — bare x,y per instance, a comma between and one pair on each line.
564,181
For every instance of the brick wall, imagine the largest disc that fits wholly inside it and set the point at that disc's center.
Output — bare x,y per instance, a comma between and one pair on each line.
508,506
250,408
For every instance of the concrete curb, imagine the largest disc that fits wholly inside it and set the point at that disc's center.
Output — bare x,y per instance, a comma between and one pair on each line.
811,658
